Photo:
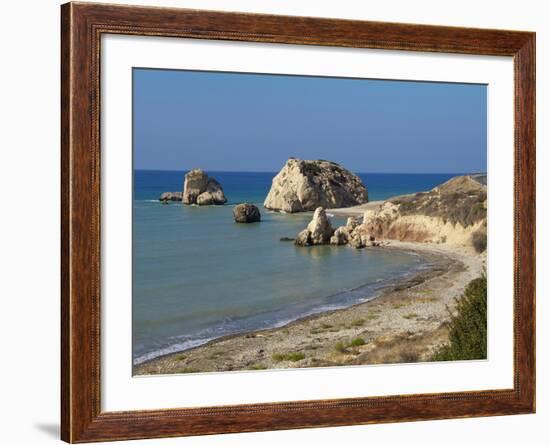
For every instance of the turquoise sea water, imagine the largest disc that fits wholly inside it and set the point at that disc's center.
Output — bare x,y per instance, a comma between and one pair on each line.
197,275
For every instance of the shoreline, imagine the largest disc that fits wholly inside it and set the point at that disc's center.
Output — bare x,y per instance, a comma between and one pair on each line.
370,291
403,323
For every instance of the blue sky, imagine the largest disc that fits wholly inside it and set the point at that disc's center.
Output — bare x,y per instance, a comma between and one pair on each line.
254,122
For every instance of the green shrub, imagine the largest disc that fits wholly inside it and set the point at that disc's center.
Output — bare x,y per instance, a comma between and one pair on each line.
295,356
343,348
258,367
340,347
290,357
468,328
357,342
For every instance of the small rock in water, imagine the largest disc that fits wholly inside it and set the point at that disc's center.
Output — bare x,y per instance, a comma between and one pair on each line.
170,196
213,194
246,213
303,239
318,231
199,189
286,238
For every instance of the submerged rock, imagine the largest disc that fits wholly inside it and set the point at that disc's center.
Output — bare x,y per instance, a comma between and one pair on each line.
318,231
246,213
304,185
199,189
171,196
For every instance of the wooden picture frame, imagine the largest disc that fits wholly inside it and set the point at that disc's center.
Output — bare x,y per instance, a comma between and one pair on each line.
82,25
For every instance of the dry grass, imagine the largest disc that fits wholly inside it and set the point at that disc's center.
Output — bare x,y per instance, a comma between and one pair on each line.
410,316
257,367
458,207
403,348
425,299
345,347
289,357
479,239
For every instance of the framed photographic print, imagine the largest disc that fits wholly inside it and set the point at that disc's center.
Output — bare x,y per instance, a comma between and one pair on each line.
274,222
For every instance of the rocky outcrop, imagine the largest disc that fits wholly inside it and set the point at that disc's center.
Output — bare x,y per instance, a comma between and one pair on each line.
199,189
304,185
193,185
452,213
342,235
246,213
353,234
318,231
467,184
171,196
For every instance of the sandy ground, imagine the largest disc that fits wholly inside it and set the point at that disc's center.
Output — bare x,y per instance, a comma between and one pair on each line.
406,323
356,210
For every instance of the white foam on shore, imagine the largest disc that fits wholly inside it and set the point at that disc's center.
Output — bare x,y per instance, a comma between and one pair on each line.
176,347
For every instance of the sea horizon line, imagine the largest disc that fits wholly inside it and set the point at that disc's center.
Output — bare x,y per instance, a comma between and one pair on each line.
275,172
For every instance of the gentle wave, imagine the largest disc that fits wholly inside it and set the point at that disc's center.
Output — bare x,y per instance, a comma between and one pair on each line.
176,347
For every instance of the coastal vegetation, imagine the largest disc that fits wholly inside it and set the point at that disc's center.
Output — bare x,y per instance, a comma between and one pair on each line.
468,326
291,357
344,347
461,200
357,342
257,367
